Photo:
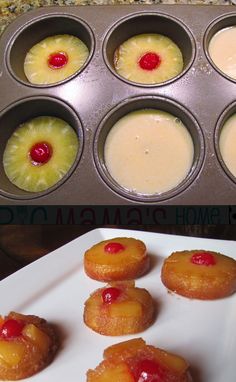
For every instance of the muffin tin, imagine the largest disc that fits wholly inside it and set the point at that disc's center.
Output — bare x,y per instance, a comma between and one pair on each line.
95,97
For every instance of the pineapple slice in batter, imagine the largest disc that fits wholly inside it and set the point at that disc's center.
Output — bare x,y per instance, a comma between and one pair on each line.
39,153
148,59
54,59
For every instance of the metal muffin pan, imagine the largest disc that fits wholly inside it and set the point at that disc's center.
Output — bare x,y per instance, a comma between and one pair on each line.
96,97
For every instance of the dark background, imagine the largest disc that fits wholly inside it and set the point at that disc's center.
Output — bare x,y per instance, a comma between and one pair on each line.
22,244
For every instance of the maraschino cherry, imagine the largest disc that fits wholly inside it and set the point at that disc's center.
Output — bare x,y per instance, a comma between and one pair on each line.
203,258
114,247
40,153
57,60
149,61
148,370
11,328
110,295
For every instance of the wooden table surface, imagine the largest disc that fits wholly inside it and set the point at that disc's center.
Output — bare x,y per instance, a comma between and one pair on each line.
22,244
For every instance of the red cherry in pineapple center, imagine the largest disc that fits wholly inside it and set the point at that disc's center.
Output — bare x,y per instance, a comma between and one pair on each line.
114,247
57,60
148,371
203,258
40,153
149,61
11,328
110,295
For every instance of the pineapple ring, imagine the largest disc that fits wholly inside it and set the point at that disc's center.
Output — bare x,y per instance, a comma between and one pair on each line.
37,66
19,167
119,308
169,59
128,263
31,345
134,361
204,275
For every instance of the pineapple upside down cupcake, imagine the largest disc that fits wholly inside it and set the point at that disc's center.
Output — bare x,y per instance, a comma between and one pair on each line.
39,153
119,308
54,59
116,259
134,361
27,345
148,59
200,274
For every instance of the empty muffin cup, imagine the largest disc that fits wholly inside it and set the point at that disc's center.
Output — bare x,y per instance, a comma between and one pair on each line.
41,144
50,50
220,47
225,138
148,148
149,49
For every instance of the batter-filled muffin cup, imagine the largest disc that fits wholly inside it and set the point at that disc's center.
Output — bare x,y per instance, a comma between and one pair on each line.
41,144
148,148
50,50
219,45
149,49
225,136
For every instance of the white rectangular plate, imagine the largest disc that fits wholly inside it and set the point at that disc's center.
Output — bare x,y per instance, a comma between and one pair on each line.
55,287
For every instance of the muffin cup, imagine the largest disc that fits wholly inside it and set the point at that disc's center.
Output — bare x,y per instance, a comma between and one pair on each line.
149,23
222,22
38,29
227,113
22,111
147,102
